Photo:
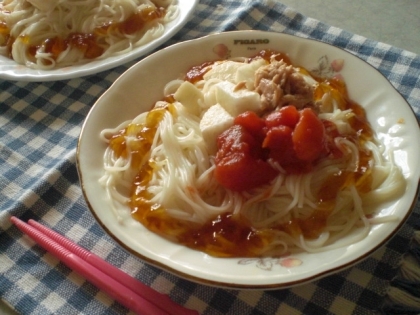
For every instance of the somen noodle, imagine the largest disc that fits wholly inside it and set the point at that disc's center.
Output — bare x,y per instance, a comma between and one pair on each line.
48,34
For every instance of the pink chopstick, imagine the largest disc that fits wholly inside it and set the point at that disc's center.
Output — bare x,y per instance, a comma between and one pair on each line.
120,286
162,300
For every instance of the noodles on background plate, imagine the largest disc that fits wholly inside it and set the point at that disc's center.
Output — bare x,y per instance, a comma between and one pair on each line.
251,157
49,34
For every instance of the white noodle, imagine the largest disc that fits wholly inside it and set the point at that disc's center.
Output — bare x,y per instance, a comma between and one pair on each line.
31,22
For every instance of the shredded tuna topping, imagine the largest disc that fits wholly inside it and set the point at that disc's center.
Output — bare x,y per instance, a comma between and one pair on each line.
280,84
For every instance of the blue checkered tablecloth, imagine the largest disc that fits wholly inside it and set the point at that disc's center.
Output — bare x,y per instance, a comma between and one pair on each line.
39,128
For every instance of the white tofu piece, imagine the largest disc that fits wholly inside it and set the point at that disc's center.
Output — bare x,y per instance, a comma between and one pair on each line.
210,97
246,73
189,96
214,121
237,102
225,70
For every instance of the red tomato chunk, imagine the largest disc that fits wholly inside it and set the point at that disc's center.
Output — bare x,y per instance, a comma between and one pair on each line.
287,116
308,136
240,163
293,139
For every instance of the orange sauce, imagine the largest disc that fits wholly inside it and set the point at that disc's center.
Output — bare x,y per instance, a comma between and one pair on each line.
133,23
227,236
361,177
224,236
142,136
90,44
197,73
232,236
4,30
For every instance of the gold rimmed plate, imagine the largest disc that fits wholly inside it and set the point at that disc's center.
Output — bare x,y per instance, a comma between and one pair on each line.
389,114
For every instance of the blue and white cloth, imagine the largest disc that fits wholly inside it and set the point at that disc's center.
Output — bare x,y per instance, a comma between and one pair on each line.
39,128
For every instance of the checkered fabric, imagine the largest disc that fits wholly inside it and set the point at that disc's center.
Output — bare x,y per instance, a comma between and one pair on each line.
39,128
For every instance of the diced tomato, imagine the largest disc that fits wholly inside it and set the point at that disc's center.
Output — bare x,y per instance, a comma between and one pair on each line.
240,172
239,161
286,116
280,144
237,140
308,136
279,139
252,123
293,139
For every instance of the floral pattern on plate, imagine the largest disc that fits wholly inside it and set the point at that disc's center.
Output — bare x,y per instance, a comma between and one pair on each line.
326,69
268,263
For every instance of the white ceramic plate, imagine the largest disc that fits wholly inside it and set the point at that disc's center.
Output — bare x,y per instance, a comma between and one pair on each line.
10,70
388,112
